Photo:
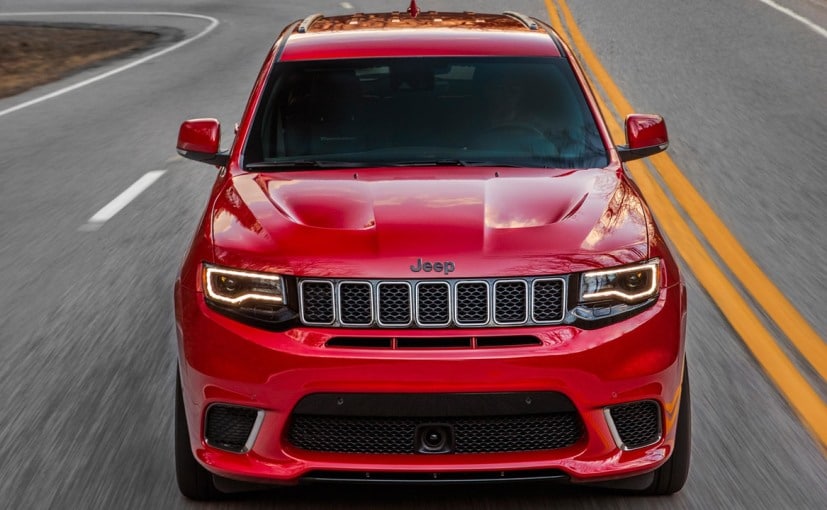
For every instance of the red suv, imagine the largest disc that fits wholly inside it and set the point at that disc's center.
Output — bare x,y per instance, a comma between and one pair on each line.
424,260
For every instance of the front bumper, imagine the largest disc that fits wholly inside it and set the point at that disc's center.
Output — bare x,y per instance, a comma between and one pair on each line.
227,362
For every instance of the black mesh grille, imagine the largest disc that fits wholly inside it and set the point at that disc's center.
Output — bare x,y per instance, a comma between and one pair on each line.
353,435
229,427
432,305
317,302
547,300
471,434
638,423
472,303
356,308
394,303
510,302
517,433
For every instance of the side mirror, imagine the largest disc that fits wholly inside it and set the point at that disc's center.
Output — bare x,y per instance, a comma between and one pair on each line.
645,135
200,139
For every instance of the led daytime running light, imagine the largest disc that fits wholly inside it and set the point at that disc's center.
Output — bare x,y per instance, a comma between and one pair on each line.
651,290
216,296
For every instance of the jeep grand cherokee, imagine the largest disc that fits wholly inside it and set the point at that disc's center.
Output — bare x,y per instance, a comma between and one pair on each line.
424,260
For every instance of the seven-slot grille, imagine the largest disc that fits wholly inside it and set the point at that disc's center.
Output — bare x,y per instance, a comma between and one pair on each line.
432,303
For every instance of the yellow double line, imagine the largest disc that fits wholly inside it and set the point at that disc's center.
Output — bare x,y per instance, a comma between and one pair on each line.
799,393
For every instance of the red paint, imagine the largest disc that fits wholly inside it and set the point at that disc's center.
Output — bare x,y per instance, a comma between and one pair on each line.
553,222
645,130
274,371
199,135
425,42
487,222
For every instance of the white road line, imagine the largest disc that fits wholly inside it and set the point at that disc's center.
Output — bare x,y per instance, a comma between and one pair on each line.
789,12
213,23
121,201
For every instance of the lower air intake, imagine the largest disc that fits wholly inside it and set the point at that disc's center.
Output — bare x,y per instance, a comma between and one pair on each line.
395,435
637,424
229,427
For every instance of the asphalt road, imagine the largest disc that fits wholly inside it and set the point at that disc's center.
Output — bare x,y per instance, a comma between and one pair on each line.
87,355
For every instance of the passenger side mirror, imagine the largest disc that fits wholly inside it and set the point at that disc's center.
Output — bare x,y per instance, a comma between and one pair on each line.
200,140
645,135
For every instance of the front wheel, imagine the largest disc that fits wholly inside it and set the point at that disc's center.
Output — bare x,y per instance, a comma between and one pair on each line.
194,481
671,477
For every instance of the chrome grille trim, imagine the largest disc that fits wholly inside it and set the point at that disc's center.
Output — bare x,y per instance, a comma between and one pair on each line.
343,313
497,299
418,312
453,302
457,313
535,305
379,315
302,302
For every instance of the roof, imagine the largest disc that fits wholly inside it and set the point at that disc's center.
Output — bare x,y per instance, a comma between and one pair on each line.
394,34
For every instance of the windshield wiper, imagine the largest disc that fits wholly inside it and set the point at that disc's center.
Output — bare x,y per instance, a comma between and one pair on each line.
450,162
429,162
304,164
312,164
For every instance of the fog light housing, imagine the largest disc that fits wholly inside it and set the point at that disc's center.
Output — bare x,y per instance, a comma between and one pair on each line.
232,428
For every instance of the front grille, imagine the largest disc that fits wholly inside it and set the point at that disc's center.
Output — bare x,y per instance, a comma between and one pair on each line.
394,304
397,435
229,427
317,302
547,297
637,423
359,309
474,299
510,302
433,303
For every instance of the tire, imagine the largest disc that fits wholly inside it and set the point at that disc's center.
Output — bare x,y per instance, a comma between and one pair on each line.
194,481
671,477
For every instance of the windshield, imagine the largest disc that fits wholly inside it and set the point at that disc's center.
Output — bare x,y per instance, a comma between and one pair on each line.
499,111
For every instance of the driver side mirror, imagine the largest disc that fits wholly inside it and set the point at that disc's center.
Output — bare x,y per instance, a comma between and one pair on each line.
200,140
645,136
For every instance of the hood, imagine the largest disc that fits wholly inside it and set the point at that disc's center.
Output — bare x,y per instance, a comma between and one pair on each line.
385,223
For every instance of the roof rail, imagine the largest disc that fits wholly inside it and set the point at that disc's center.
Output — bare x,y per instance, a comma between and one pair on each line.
309,21
522,18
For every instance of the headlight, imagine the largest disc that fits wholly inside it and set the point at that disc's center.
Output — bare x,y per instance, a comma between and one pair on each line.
233,287
618,291
630,284
248,294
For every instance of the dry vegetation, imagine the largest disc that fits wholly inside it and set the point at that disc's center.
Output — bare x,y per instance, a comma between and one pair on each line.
32,55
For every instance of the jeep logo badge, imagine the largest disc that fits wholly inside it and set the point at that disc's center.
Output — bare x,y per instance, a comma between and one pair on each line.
437,267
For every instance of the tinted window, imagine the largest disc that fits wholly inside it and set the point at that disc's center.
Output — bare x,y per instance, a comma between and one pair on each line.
518,111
